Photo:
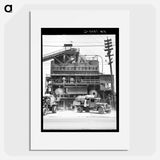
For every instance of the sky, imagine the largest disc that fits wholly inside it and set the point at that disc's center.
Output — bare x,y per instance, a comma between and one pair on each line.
88,45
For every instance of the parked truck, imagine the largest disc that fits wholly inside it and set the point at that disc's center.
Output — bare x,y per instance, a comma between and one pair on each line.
90,102
49,104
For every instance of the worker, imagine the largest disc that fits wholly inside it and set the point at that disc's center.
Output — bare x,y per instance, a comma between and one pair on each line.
64,80
86,103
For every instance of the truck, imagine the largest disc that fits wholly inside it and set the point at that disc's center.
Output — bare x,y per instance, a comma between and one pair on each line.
49,104
90,102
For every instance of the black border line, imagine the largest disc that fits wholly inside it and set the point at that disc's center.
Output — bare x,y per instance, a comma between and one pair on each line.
41,82
78,31
117,78
81,31
117,88
79,150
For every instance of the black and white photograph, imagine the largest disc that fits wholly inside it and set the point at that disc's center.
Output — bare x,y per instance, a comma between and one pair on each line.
79,79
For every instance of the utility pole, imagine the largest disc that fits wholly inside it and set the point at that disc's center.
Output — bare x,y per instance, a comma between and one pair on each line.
108,49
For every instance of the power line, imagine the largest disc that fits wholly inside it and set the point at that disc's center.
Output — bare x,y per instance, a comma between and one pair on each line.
74,42
75,46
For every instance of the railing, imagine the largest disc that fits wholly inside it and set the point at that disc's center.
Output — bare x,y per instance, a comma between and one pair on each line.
65,95
74,68
92,81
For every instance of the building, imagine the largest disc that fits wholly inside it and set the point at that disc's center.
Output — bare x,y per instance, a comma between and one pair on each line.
72,74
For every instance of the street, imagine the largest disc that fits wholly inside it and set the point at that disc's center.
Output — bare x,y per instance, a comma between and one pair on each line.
73,120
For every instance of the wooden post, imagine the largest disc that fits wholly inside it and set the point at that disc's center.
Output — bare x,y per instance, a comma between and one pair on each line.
108,48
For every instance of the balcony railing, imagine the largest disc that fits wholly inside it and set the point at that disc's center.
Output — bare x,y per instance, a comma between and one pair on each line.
81,82
75,68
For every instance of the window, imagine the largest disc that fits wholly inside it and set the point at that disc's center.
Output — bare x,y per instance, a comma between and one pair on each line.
92,100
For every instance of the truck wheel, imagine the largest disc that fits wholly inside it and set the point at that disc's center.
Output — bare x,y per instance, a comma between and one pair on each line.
109,111
101,110
87,109
79,109
44,111
53,109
